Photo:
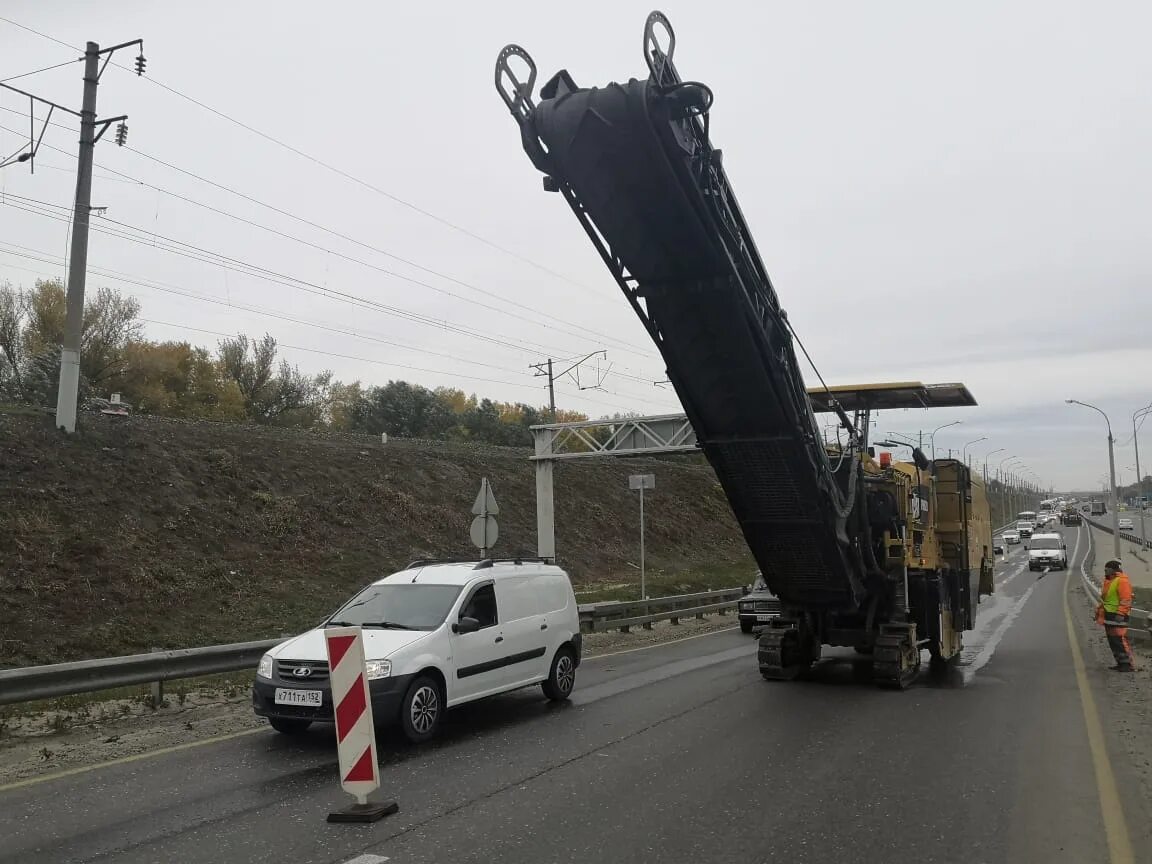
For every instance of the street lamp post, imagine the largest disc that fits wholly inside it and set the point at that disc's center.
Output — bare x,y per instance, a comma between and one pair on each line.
986,455
1112,477
932,435
964,452
1002,476
1143,412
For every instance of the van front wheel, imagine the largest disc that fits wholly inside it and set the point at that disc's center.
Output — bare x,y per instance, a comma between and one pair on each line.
421,710
562,677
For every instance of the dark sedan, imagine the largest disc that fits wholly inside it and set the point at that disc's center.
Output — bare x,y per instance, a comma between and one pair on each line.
758,606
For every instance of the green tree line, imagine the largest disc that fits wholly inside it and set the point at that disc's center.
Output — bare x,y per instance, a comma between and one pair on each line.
243,380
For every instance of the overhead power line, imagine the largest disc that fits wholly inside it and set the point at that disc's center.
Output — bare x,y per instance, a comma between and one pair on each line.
168,244
373,361
150,239
45,69
329,167
453,374
613,342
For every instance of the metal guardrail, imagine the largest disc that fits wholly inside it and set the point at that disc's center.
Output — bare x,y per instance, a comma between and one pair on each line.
615,615
88,676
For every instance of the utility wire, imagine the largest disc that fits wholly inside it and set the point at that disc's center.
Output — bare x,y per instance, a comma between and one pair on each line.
38,71
619,345
36,32
206,256
176,247
130,279
179,247
127,278
320,162
452,374
369,360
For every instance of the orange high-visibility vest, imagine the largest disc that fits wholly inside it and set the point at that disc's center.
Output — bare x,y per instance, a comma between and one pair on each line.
1116,594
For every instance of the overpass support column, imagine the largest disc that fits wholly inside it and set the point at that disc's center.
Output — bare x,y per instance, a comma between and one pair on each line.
543,439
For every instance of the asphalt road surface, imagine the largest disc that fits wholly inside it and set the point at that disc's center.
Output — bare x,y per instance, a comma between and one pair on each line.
674,753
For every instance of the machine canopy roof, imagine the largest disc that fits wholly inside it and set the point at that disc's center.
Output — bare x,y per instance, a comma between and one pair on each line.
902,394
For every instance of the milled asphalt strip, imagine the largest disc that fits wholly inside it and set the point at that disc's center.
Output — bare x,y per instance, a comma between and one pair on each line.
989,648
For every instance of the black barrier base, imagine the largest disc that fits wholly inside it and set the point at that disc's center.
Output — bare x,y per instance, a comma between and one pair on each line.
370,812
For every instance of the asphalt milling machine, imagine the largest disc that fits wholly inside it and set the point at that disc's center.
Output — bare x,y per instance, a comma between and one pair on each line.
887,557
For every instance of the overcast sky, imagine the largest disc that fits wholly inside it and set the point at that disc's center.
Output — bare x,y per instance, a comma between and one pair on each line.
941,192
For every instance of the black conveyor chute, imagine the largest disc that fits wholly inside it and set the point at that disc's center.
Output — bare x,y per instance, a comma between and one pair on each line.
635,163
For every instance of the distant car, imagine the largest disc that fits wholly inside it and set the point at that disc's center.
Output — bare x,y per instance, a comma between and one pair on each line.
1011,536
1025,528
1126,523
997,545
758,606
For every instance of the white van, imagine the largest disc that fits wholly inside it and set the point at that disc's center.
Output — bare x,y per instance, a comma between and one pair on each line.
1047,551
436,634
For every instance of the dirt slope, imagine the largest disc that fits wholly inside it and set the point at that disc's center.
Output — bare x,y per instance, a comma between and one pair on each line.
146,532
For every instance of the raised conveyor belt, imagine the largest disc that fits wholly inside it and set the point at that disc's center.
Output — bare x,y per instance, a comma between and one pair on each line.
634,159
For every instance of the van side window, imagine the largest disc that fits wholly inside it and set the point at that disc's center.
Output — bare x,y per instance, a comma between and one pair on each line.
481,606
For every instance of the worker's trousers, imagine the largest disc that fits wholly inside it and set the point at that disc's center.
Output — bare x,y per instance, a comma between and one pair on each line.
1118,642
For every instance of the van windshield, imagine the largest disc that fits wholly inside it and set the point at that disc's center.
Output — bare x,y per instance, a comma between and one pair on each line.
398,607
1045,543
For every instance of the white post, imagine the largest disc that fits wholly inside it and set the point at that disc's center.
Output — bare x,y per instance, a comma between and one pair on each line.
643,586
545,504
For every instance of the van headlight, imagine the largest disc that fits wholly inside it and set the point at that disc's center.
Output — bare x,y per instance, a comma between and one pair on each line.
264,670
375,669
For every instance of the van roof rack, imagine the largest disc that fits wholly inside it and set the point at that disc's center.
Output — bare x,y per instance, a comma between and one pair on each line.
482,563
516,559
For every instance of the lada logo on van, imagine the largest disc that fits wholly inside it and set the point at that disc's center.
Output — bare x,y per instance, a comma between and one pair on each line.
302,671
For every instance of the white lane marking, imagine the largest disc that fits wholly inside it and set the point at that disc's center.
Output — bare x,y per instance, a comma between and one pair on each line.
367,859
986,650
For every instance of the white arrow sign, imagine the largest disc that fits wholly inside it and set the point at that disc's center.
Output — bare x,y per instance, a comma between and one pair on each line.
485,501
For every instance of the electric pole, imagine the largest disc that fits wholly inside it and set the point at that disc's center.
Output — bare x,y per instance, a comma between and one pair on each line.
545,369
68,392
69,385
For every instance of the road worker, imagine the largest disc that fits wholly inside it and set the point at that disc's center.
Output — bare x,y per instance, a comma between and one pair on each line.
1115,606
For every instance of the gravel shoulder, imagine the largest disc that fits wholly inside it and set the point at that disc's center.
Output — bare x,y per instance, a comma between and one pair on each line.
49,742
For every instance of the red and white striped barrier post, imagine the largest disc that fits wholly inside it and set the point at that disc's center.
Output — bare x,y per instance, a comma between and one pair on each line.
355,731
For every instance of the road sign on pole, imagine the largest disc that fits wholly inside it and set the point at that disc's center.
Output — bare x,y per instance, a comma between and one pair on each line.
642,482
355,731
484,530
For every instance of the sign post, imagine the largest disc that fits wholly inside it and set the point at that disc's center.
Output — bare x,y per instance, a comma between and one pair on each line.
355,731
642,482
485,531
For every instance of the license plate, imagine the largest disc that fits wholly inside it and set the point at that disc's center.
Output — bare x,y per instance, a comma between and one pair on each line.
309,698
764,617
